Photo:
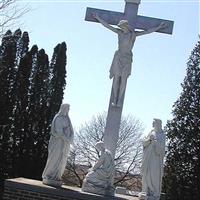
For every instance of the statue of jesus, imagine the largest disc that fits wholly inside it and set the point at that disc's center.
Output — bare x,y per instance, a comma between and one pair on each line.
121,65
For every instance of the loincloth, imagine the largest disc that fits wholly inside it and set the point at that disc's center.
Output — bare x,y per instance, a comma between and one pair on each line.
121,64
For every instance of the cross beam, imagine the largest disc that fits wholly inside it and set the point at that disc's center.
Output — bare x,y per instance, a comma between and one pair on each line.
130,14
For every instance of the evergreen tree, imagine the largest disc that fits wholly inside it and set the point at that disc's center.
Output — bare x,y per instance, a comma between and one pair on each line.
57,79
21,125
7,76
31,92
182,178
43,125
35,144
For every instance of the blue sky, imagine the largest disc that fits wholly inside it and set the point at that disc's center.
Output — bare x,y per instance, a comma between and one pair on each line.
159,60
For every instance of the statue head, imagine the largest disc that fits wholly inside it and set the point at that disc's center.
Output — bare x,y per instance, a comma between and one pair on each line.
99,146
157,124
123,24
64,109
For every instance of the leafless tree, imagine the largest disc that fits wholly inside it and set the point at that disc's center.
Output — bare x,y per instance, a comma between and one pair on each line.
10,12
128,152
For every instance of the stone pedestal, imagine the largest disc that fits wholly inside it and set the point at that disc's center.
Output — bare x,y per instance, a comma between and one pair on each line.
27,189
92,188
142,196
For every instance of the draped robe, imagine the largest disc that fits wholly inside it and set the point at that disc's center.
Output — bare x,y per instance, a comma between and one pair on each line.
58,149
152,164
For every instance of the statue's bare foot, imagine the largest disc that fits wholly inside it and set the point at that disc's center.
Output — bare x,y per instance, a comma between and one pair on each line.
118,105
113,104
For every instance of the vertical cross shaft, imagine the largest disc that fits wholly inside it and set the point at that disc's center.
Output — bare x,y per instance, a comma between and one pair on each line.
111,133
130,12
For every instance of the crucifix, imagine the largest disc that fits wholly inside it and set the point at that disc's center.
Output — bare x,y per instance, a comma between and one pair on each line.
128,22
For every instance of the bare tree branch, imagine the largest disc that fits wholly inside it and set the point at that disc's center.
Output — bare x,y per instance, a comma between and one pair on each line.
10,12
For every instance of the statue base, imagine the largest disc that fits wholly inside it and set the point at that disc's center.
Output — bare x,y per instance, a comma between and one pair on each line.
22,188
98,189
143,196
52,183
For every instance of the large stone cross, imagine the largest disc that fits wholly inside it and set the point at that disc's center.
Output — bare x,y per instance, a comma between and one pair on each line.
136,21
130,13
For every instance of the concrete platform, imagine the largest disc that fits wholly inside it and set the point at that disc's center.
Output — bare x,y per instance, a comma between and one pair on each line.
23,189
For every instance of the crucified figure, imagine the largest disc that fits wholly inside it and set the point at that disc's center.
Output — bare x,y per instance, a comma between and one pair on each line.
121,65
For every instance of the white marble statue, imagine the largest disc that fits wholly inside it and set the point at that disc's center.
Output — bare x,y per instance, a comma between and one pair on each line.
59,145
99,179
152,162
121,65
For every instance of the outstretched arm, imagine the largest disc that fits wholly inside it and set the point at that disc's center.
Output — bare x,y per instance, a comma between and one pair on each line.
105,24
151,30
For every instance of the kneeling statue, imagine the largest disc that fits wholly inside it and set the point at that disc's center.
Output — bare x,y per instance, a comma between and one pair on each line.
99,180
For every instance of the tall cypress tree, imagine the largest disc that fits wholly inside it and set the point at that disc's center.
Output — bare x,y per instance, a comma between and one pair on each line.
21,127
45,96
43,125
31,92
57,79
37,116
7,76
182,180
58,74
